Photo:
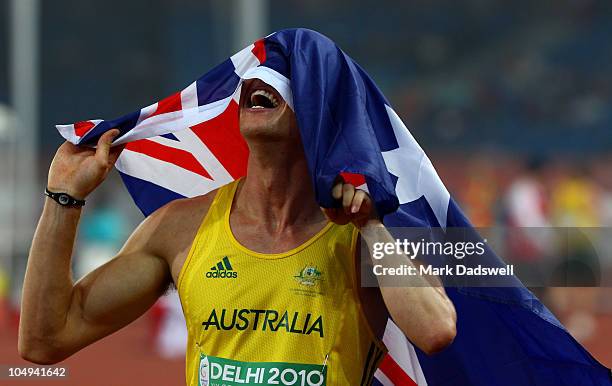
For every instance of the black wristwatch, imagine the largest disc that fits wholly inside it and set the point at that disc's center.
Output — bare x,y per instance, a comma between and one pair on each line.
64,199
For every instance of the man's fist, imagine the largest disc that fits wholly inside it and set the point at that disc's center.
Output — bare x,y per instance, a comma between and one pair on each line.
79,170
357,206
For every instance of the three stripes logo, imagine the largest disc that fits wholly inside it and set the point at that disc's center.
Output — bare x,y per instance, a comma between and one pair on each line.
223,270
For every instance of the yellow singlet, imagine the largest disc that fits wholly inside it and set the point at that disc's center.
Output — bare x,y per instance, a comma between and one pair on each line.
290,318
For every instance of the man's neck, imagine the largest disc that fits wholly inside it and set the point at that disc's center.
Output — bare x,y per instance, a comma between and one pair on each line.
277,189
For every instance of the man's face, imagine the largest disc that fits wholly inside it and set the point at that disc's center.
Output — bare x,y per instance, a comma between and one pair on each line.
264,114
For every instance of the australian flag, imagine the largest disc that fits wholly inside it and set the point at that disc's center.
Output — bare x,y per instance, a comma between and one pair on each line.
189,144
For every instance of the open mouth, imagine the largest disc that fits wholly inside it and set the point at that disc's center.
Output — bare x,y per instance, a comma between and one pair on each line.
262,99
257,95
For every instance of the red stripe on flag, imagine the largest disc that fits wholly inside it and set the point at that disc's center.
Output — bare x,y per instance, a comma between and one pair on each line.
259,50
222,137
81,128
169,104
354,179
178,157
394,372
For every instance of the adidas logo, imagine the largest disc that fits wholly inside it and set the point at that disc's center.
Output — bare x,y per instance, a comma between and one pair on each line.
223,270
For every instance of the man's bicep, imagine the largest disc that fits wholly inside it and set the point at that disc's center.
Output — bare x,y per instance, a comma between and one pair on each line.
118,292
122,289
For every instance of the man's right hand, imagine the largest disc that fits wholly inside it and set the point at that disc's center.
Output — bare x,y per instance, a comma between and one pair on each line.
79,170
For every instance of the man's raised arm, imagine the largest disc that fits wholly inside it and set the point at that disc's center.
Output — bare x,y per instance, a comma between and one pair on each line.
58,316
420,309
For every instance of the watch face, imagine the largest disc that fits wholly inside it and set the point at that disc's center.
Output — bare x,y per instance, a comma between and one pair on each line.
63,199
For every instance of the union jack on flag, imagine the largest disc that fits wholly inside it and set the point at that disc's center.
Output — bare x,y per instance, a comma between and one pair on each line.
189,144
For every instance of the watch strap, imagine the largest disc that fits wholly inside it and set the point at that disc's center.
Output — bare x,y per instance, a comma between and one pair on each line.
64,199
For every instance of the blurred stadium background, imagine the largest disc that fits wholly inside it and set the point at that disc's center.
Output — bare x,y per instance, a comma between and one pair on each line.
511,100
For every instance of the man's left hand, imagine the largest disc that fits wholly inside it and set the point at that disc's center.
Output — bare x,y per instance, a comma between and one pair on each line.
357,206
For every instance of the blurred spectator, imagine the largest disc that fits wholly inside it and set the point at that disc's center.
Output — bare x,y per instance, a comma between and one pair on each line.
575,200
575,205
528,234
527,208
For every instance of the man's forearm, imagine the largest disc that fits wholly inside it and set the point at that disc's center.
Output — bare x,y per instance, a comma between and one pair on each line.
419,306
47,289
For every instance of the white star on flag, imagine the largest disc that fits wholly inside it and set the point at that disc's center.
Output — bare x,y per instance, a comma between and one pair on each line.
416,175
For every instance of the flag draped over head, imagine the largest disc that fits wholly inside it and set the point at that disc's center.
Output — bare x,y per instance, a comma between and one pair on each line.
189,144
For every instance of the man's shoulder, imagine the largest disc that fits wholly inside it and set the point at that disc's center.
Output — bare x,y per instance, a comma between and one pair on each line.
185,210
173,226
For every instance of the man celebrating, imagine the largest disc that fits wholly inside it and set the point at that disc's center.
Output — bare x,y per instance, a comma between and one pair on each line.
269,283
